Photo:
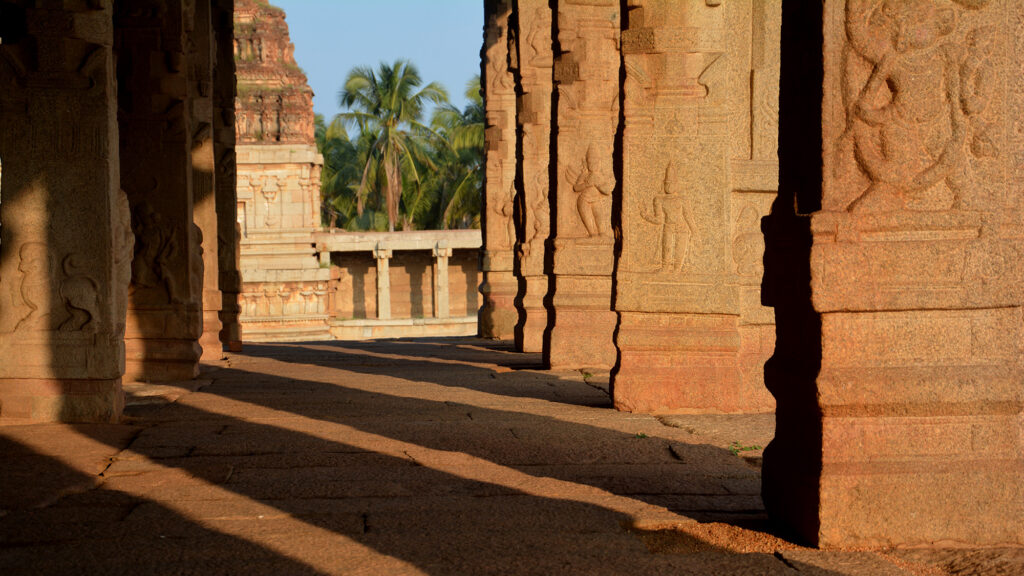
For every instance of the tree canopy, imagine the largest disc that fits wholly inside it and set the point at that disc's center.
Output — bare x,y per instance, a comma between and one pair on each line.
394,170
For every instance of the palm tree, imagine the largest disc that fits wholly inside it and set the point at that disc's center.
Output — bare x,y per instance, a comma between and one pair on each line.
386,105
460,160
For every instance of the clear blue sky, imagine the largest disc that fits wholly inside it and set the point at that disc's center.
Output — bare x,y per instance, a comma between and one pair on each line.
442,37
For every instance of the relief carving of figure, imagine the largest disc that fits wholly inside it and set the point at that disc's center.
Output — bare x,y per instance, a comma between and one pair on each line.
748,243
38,278
124,249
671,214
541,213
156,245
909,122
593,184
505,211
269,189
78,292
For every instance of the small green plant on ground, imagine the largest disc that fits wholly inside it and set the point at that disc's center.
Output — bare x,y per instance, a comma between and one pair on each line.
736,448
640,435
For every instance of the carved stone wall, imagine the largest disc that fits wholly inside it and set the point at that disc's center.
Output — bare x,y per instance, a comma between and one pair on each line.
699,171
916,276
586,77
498,314
533,211
66,242
278,174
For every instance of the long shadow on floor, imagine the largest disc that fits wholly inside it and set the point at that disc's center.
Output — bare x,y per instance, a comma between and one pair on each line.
446,501
103,531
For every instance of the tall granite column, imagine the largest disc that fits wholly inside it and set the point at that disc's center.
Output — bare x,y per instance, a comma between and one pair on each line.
909,431
225,186
201,63
165,308
66,242
586,77
498,313
687,282
533,143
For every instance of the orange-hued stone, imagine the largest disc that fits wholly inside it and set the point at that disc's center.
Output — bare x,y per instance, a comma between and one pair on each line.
699,172
898,372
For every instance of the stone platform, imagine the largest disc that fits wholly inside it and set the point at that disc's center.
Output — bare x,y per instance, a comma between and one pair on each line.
453,456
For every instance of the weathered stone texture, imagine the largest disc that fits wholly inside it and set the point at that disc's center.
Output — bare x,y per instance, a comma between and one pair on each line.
498,315
916,276
586,77
65,243
699,170
533,210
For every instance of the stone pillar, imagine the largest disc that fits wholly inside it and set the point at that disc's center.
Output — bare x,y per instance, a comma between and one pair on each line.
908,431
498,313
383,255
441,288
533,118
229,278
66,241
201,63
586,77
165,308
688,277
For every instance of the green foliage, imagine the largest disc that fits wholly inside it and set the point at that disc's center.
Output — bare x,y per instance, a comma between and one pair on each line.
736,448
396,170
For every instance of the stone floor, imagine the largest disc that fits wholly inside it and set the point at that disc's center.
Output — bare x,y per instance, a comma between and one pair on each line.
452,456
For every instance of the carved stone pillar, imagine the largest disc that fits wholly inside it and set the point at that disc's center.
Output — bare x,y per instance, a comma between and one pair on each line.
165,308
201,63
586,77
228,237
383,257
498,313
909,432
692,333
66,241
442,253
533,116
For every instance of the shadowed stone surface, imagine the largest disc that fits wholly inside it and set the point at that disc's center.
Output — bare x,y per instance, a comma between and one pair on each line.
404,457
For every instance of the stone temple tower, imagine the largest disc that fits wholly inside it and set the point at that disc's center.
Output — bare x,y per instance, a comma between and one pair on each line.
278,180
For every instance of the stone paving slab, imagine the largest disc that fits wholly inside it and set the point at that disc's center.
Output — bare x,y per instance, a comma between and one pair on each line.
405,457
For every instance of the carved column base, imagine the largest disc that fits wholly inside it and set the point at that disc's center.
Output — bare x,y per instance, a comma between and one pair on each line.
689,363
498,315
60,400
231,329
908,453
213,349
161,345
533,317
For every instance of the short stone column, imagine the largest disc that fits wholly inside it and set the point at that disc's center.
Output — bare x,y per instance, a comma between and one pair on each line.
66,240
165,309
383,255
902,424
442,253
498,313
533,117
586,77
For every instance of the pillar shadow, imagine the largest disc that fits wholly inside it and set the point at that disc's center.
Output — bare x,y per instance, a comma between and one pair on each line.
792,461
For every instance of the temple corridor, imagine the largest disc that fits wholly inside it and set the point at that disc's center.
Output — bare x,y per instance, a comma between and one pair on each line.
445,456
